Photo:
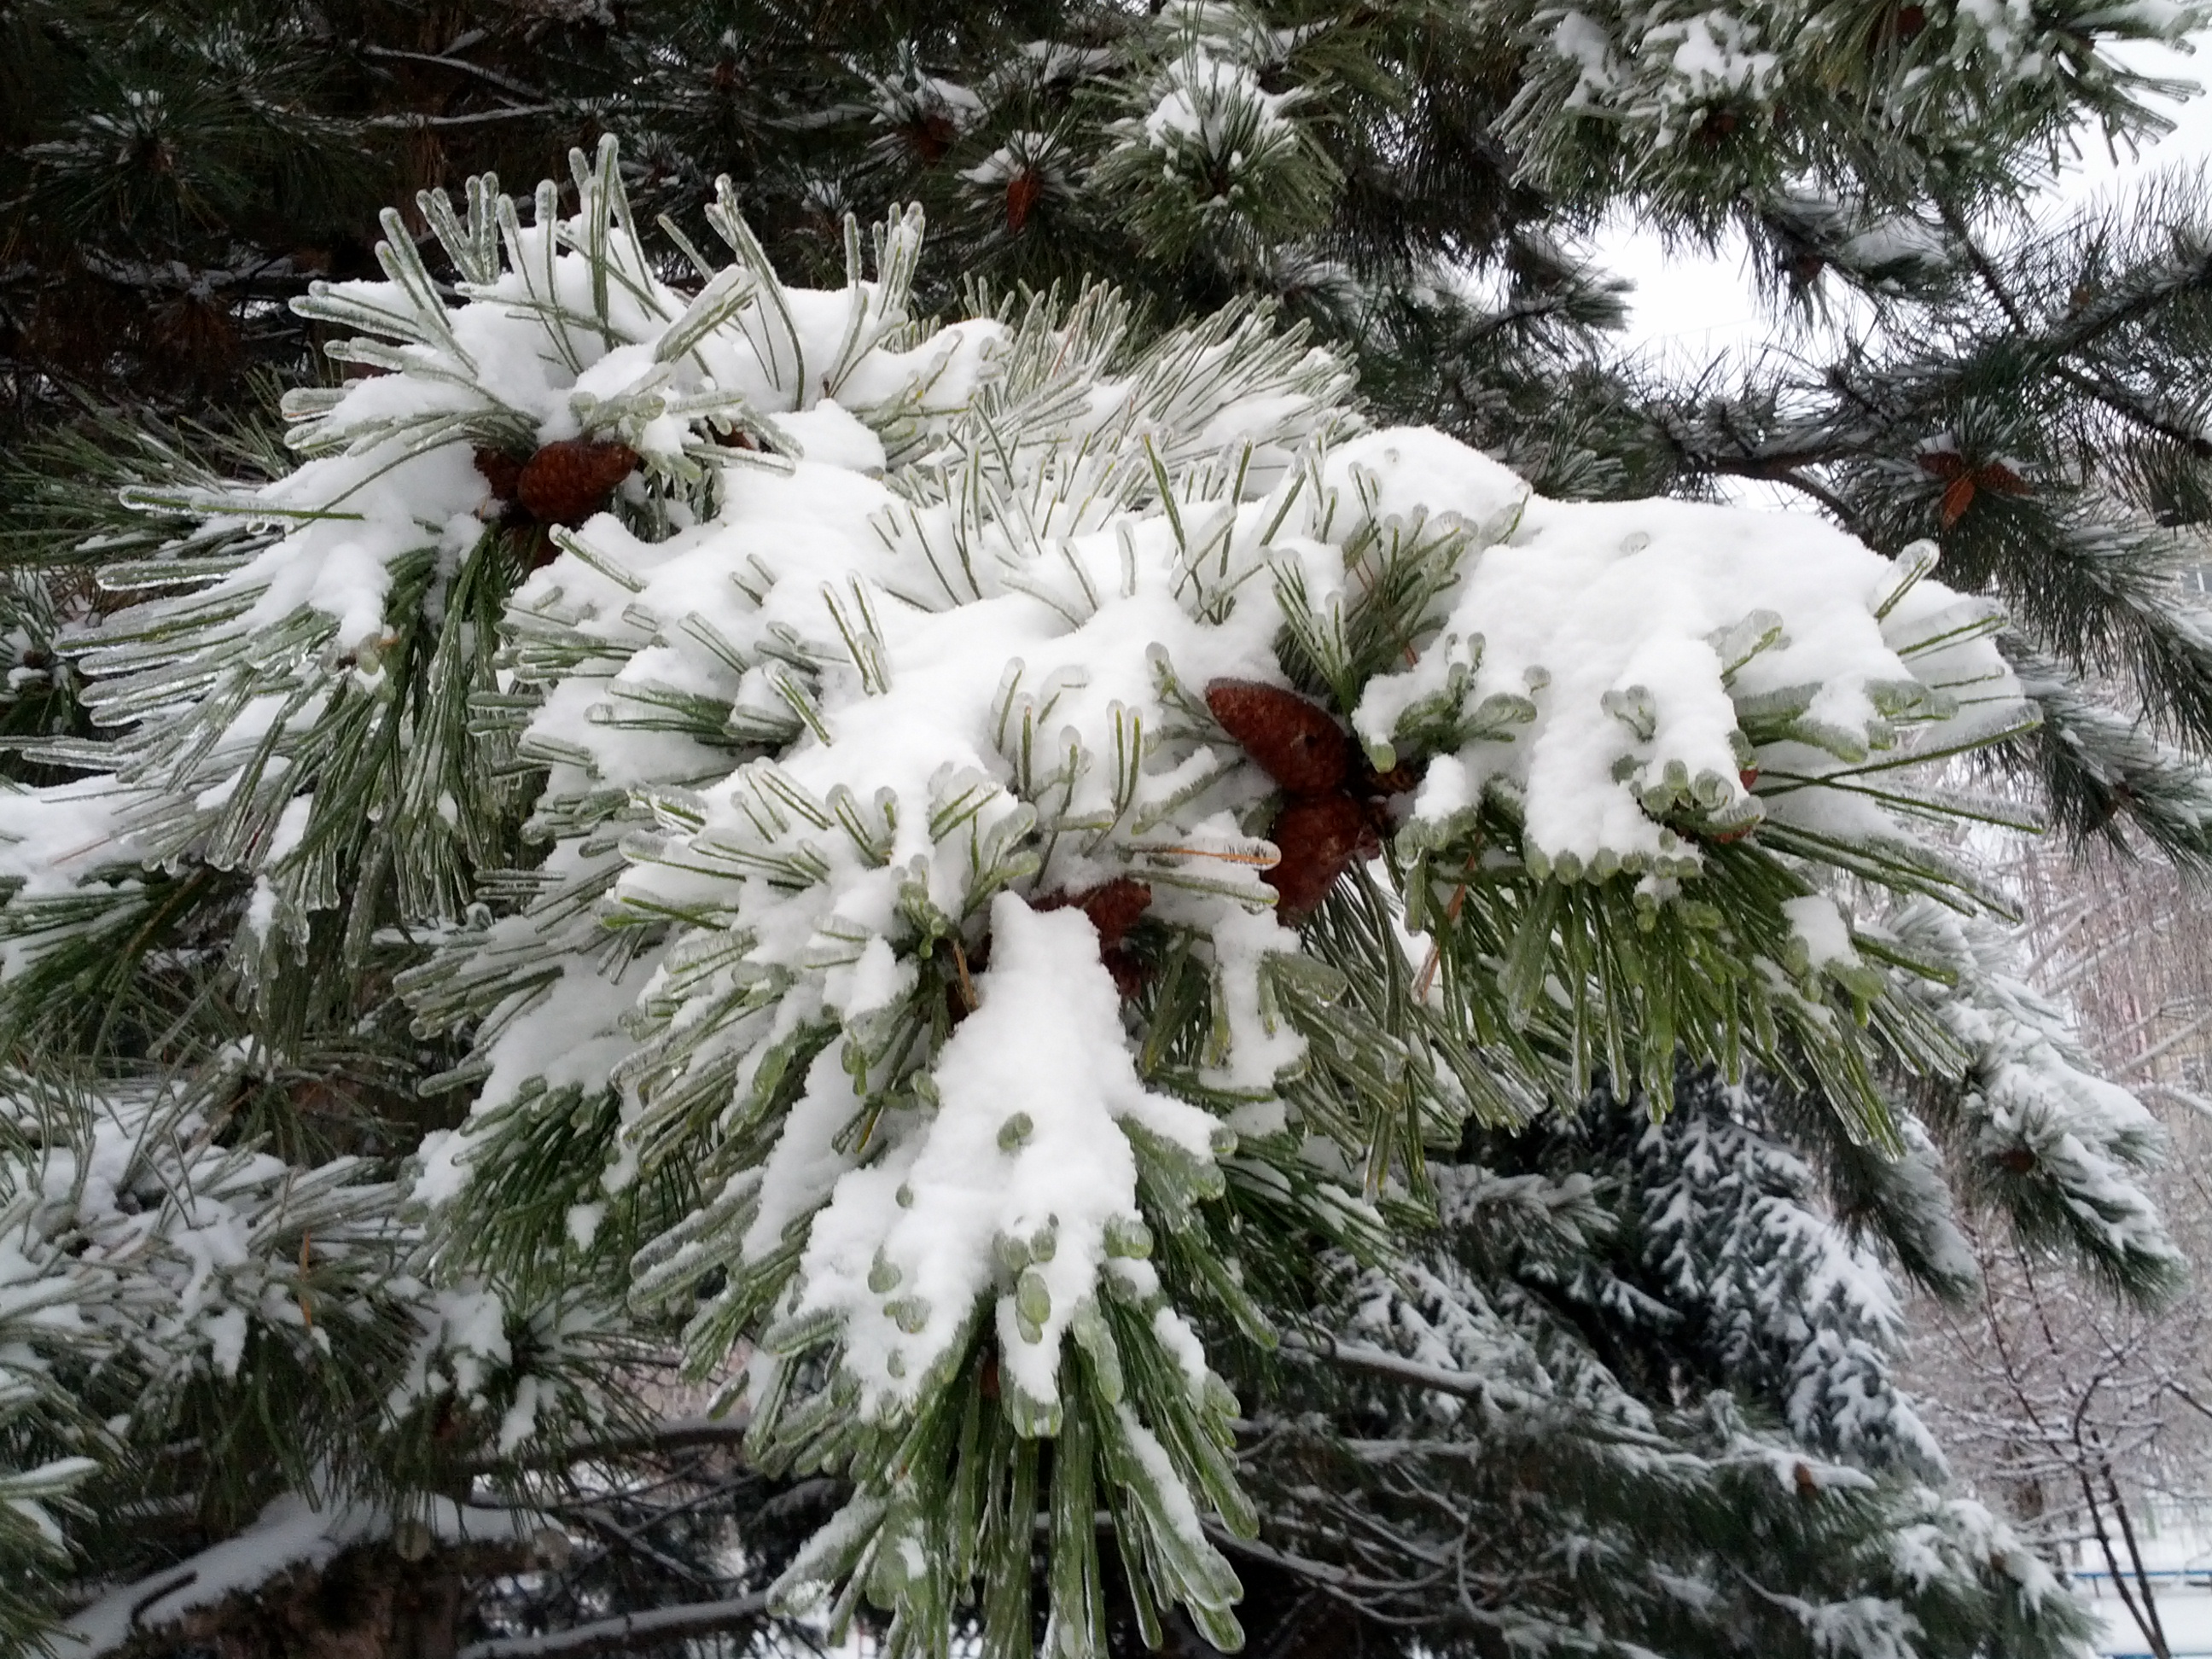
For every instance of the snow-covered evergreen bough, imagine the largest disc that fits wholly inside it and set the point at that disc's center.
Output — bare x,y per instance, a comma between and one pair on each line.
996,878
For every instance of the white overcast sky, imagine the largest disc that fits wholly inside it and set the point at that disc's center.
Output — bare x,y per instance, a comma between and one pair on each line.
1689,307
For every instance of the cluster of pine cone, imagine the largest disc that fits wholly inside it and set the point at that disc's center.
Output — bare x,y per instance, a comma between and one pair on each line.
563,483
1334,813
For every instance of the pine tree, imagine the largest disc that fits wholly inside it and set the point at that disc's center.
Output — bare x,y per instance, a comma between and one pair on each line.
1409,178
1032,903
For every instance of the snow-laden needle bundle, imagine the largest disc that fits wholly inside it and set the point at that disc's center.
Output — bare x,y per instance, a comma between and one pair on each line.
844,803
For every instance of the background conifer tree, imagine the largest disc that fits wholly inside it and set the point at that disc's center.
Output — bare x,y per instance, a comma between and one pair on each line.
487,928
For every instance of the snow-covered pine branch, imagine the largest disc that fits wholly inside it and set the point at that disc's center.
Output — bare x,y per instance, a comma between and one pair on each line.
950,856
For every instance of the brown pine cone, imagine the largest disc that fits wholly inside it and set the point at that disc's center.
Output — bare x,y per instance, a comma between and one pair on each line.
1317,840
566,483
501,471
1023,190
1131,972
1113,907
1297,743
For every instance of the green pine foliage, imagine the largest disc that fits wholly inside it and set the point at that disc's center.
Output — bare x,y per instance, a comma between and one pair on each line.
555,751
1409,178
808,804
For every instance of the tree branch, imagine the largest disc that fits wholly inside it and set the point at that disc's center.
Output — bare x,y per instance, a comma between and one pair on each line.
1957,225
676,1434
2124,403
1378,1362
1792,477
1782,466
634,1630
2155,1631
505,83
414,122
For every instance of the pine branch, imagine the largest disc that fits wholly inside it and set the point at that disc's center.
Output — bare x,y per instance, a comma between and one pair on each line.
2124,403
1380,1362
601,805
675,1434
628,1630
422,122
1786,467
1984,271
505,83
678,1434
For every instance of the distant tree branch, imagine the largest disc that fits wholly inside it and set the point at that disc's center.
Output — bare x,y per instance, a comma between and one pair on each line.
1379,1362
634,1630
2129,1068
414,123
505,83
2124,403
671,1434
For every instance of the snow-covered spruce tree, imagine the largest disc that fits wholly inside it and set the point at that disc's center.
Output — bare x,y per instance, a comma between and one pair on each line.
1018,898
1639,1349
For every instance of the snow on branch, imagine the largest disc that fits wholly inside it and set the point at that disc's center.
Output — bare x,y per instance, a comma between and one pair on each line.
292,1532
955,764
